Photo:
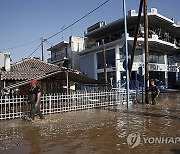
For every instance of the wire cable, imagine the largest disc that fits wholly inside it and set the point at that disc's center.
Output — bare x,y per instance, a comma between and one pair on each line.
49,44
30,50
19,45
44,40
34,51
77,20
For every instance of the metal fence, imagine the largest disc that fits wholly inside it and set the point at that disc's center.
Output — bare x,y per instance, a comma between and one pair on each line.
17,107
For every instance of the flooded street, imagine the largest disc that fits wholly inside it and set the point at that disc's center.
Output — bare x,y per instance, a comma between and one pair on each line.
98,131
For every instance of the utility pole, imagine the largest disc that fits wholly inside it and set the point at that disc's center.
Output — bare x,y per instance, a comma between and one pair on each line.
104,56
42,48
136,36
126,45
146,53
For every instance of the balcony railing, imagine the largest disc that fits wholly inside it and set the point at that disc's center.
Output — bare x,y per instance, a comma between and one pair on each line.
57,58
153,34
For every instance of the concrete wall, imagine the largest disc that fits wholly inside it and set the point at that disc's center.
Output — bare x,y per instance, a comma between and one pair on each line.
5,61
1,86
1,60
77,45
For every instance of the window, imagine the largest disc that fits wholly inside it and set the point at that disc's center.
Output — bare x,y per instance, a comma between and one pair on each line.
172,60
110,59
100,60
156,57
137,57
109,75
122,55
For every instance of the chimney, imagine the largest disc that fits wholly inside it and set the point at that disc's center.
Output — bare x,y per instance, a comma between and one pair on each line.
154,10
7,61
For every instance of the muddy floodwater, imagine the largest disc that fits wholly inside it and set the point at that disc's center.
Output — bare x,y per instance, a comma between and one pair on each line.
142,129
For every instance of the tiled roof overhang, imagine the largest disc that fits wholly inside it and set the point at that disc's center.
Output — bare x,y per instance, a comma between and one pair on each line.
28,68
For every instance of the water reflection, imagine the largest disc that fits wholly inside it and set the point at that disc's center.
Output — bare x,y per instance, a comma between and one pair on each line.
95,131
33,137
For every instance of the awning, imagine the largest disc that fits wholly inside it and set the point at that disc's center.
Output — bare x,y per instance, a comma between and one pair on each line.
77,78
60,75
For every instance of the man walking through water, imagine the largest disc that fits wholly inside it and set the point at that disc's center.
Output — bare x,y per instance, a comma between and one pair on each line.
154,91
34,99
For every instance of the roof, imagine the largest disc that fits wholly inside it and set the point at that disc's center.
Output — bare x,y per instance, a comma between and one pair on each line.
59,45
155,20
60,75
29,68
77,78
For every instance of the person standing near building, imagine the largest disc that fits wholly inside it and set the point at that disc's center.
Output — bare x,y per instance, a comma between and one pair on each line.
34,99
154,91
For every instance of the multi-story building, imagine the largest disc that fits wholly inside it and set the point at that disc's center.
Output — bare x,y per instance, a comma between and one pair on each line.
66,53
164,48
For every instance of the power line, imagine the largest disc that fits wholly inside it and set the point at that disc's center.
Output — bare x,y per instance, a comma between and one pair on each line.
59,31
34,51
30,50
78,20
20,45
48,43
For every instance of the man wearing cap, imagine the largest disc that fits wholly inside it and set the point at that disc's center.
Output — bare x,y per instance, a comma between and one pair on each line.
34,99
154,91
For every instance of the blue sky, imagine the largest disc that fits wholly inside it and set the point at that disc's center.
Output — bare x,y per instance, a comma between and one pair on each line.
24,21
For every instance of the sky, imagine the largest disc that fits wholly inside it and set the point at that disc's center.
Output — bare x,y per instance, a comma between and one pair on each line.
25,21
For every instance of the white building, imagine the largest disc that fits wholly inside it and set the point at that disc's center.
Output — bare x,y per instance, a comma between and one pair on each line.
66,53
5,65
164,48
5,61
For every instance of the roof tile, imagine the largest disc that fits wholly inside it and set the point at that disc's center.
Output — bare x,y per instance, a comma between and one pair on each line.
29,68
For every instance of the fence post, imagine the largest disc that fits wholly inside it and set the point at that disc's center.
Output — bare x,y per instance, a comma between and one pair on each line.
20,109
42,103
49,104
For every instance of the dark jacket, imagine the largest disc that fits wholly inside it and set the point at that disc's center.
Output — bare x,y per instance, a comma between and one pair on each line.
32,97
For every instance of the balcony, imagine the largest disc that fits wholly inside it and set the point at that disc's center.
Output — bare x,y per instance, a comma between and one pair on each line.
57,59
158,34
